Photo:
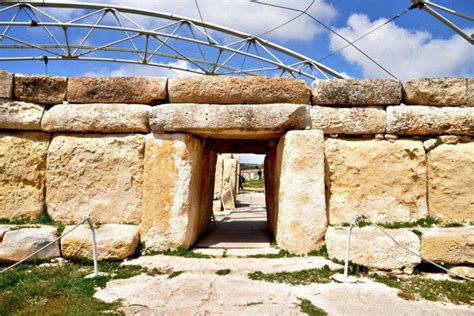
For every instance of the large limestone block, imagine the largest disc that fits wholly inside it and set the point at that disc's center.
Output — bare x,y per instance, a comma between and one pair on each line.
470,91
218,177
229,121
302,218
451,182
237,90
40,89
356,92
435,91
448,245
371,248
20,241
20,115
177,190
355,120
430,120
22,174
97,174
6,85
386,181
114,242
102,118
147,90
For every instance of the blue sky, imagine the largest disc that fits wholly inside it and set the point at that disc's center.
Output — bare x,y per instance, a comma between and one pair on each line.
415,45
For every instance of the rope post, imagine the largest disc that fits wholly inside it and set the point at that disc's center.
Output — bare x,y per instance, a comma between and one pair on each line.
346,278
96,272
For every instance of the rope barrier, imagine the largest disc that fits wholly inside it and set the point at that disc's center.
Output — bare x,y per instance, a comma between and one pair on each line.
360,217
87,219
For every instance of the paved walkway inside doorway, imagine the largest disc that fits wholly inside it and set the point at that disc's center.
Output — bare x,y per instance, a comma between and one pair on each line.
246,227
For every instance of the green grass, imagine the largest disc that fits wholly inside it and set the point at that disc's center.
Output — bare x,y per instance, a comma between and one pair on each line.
180,252
309,309
281,254
174,274
254,184
416,287
62,290
223,272
303,277
321,252
43,219
423,222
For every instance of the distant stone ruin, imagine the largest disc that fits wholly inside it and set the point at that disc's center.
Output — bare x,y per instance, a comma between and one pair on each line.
140,155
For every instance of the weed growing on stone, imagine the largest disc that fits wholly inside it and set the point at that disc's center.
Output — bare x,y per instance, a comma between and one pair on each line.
32,290
174,274
43,219
447,225
309,309
223,272
415,287
425,222
321,252
303,277
180,252
281,254
254,303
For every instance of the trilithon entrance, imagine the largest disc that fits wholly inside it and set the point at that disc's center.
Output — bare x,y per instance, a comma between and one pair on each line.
179,193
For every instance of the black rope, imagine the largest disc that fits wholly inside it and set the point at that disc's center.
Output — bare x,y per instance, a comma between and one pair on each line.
332,31
45,60
371,31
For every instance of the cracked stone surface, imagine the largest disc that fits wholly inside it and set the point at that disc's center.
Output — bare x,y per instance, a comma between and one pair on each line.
199,291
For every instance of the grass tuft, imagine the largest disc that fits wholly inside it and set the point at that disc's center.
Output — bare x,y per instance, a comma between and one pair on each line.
223,272
180,252
309,309
281,254
415,287
174,274
303,277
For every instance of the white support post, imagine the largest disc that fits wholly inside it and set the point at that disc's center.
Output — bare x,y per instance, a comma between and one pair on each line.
96,272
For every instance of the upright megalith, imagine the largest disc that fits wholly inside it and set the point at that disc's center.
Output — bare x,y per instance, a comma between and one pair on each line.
177,190
299,208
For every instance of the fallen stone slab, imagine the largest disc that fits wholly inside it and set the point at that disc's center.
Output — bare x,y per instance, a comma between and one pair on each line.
448,245
6,85
467,272
114,242
384,180
40,89
19,241
352,121
97,174
371,248
20,115
451,182
22,174
229,121
430,120
101,118
436,91
348,92
237,90
146,90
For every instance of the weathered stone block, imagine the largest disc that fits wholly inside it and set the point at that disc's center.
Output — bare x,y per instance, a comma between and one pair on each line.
22,176
20,115
6,85
451,182
102,118
430,120
237,90
177,190
95,174
147,90
356,92
40,89
448,245
301,206
229,121
357,120
17,242
435,91
386,181
470,91
114,242
371,248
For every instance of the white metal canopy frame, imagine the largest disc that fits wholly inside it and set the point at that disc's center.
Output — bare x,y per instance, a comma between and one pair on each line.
56,30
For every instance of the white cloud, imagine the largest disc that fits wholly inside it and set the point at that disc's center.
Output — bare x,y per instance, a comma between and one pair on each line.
143,70
404,52
242,15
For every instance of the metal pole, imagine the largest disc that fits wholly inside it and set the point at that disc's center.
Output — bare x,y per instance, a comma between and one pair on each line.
94,247
348,250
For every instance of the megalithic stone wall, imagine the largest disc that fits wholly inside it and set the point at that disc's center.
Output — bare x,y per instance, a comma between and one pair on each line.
395,151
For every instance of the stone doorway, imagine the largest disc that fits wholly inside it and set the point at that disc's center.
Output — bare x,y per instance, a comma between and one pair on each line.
179,179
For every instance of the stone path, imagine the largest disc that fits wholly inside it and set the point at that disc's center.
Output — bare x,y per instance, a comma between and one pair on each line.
200,291
246,227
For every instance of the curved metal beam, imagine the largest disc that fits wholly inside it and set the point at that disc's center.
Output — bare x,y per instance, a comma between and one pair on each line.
286,63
